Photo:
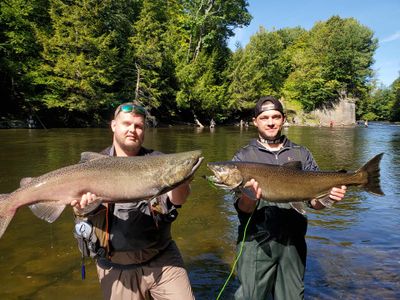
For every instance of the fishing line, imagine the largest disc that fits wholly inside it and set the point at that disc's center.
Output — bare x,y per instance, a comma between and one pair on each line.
239,254
210,183
51,236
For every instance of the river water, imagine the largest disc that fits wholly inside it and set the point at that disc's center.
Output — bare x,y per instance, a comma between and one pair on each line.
353,248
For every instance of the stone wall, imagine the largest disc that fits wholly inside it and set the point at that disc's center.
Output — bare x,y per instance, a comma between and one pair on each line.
341,114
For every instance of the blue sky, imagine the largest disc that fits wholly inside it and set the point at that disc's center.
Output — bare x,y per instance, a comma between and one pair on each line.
382,17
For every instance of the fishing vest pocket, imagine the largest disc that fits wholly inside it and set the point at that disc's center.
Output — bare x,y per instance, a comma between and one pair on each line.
91,234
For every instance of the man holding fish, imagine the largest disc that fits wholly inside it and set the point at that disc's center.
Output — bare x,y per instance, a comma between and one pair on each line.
138,258
273,257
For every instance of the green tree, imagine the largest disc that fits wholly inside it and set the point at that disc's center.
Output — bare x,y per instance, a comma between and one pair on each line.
262,67
202,82
379,103
203,91
395,105
118,18
211,23
80,56
19,50
333,60
154,65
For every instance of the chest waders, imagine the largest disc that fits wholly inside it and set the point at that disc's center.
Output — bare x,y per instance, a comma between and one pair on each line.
273,256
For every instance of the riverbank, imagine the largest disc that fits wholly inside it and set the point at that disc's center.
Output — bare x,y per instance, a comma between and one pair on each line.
293,119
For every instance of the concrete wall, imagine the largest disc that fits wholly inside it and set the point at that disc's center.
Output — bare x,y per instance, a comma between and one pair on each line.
342,114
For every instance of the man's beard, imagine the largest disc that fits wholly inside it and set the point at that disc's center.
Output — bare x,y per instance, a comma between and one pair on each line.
128,148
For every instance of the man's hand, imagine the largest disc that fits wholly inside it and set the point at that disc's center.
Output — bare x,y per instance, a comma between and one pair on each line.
336,195
253,186
85,200
247,204
179,195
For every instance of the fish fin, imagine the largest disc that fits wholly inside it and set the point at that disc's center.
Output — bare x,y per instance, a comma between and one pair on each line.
372,169
299,207
293,165
88,156
25,181
46,211
249,192
5,214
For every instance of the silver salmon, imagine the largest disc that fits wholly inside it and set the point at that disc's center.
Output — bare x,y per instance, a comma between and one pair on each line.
112,179
288,183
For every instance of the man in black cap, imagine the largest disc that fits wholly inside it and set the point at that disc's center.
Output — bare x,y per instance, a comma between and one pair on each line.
273,253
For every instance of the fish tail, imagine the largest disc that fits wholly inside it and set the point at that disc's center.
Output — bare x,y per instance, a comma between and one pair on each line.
6,214
371,168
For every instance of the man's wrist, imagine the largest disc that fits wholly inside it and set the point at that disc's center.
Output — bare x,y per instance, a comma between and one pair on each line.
246,205
316,204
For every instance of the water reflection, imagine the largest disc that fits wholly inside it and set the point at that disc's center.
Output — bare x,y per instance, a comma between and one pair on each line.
353,248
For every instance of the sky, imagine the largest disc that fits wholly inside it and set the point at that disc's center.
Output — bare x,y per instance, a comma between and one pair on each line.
382,17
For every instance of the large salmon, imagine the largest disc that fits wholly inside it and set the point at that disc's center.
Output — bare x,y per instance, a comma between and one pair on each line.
112,179
288,183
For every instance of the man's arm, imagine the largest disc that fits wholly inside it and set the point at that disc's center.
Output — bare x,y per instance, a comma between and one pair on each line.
179,195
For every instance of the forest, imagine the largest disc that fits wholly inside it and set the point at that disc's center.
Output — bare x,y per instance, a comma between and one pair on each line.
70,63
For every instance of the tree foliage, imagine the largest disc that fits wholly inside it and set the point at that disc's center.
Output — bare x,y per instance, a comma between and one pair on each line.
261,68
202,84
152,55
19,49
395,107
80,56
333,59
84,57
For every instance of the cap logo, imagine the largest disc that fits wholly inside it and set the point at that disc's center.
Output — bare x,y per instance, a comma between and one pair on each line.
268,103
268,106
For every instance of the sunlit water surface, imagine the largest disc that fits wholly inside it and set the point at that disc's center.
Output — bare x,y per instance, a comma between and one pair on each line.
353,248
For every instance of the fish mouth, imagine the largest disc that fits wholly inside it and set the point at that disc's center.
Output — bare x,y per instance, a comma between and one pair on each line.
222,176
215,182
197,164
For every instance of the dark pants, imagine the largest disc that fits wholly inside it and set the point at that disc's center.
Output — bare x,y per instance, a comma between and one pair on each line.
271,270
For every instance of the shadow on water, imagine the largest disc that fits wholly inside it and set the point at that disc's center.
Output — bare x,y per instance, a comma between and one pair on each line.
353,248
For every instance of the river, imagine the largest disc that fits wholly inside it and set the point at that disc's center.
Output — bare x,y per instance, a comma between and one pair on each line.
353,248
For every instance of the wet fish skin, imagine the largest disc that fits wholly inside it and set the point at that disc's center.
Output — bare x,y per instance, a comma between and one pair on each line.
113,179
288,183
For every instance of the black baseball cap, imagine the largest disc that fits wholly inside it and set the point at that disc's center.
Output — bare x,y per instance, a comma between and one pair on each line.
268,103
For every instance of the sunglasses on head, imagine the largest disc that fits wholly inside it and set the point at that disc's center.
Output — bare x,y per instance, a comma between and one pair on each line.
130,107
